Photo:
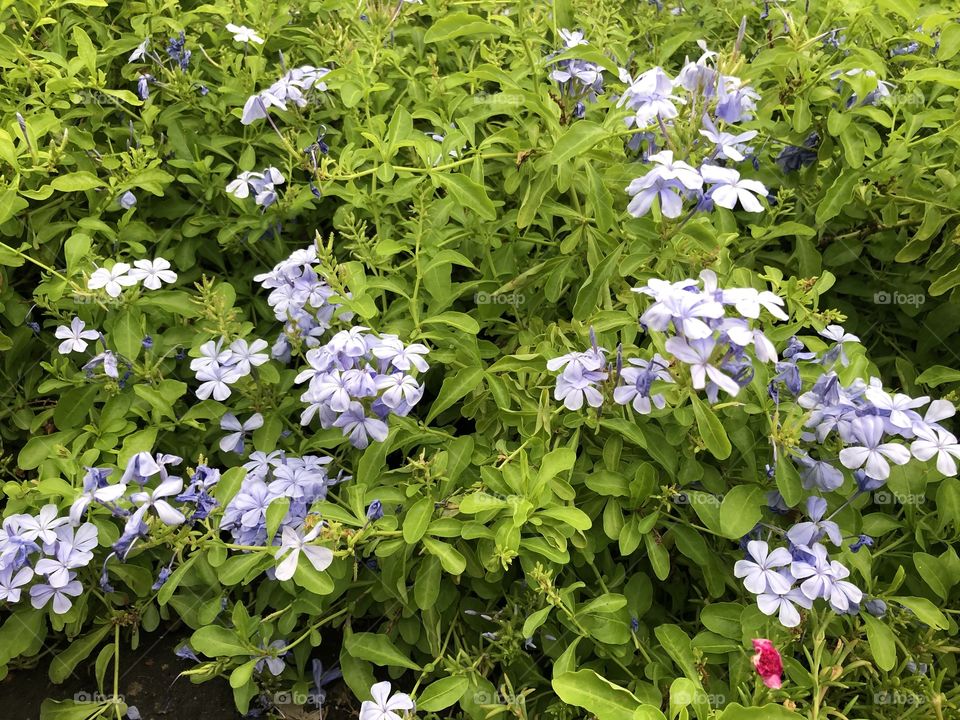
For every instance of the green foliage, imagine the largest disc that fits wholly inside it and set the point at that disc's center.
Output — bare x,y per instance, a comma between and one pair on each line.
530,560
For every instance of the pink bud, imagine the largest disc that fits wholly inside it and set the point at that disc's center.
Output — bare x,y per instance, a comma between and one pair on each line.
768,663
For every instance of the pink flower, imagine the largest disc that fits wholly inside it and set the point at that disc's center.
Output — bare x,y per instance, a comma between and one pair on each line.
768,663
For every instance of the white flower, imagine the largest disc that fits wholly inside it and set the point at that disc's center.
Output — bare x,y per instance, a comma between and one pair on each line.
215,381
41,594
872,454
898,404
384,707
243,34
153,273
42,527
165,511
139,51
760,572
292,544
939,442
838,334
113,280
74,337
243,356
729,187
211,355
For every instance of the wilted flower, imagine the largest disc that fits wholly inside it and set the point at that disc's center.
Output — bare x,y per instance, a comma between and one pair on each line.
767,662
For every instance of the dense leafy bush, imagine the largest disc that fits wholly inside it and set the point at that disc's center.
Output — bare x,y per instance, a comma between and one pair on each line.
550,360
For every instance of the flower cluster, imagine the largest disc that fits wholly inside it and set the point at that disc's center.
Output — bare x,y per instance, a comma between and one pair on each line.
862,418
178,52
218,368
292,87
270,476
152,273
262,184
701,333
714,103
579,80
800,573
300,299
358,379
46,548
75,338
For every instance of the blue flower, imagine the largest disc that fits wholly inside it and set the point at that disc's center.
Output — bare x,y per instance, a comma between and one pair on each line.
176,50
143,85
375,511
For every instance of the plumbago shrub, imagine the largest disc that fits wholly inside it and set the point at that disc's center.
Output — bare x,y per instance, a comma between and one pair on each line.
495,359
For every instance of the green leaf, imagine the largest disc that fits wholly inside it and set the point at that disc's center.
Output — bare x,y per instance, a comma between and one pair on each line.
76,182
458,320
925,611
938,375
417,520
79,649
126,334
837,197
74,406
741,510
535,620
586,689
934,74
469,194
882,642
217,641
723,618
711,429
931,570
238,567
771,711
678,646
450,558
242,674
459,24
378,649
10,205
945,282
949,42
579,137
276,512
443,693
85,49
455,387
71,710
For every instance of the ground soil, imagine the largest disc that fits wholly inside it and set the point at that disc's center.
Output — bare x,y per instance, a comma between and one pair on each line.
149,680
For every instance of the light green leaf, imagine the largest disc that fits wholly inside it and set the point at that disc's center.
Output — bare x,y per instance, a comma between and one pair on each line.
378,649
602,698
